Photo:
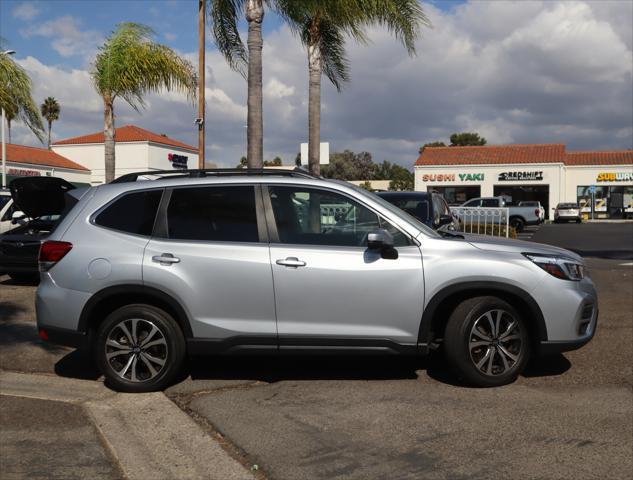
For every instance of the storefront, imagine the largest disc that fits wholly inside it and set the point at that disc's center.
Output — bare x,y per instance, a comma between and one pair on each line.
25,161
136,150
544,173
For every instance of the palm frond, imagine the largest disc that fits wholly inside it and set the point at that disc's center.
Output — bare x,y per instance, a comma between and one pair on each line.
130,65
16,96
334,59
225,16
50,109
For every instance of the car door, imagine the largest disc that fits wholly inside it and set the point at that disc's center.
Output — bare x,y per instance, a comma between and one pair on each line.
210,252
329,286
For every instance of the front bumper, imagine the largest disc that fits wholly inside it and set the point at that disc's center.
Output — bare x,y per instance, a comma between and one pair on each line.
553,347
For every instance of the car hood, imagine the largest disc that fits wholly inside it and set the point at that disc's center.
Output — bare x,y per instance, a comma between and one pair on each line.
39,196
500,244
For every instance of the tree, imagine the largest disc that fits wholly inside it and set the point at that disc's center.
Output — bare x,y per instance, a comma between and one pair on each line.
225,15
275,162
50,111
367,186
243,163
324,26
431,144
130,65
10,112
466,139
349,166
15,94
401,179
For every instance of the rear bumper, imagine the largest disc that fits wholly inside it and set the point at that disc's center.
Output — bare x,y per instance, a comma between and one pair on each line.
63,336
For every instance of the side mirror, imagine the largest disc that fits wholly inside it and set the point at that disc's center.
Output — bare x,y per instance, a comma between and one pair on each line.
379,239
17,216
382,241
444,220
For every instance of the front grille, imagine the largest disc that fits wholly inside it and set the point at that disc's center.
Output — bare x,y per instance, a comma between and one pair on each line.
585,318
587,311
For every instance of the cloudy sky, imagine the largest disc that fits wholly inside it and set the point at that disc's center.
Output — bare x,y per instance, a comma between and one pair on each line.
516,72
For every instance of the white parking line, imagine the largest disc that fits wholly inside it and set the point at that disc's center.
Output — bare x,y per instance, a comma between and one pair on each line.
629,264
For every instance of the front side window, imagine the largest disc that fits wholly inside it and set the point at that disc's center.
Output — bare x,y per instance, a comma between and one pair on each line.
309,216
221,214
132,213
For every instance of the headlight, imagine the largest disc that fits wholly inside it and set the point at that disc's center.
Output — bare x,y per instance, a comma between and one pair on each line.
564,268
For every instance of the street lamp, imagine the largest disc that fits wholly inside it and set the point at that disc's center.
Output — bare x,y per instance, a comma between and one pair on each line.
4,145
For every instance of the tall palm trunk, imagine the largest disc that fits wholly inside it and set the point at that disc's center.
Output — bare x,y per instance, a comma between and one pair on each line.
50,123
9,128
255,123
108,132
315,67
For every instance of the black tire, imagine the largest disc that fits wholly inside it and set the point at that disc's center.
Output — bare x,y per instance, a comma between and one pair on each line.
578,220
166,344
463,356
517,223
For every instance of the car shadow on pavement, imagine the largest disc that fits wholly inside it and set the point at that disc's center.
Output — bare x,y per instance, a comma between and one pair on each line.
77,364
26,282
549,366
13,332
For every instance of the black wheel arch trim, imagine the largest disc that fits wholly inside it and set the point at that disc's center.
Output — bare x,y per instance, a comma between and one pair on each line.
134,289
425,333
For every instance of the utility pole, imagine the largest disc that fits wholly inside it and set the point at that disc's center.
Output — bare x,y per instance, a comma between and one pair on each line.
201,83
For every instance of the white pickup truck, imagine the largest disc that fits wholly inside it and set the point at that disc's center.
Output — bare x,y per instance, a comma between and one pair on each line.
519,217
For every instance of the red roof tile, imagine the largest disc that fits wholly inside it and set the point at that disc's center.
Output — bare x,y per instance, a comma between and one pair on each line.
39,156
615,157
493,154
128,133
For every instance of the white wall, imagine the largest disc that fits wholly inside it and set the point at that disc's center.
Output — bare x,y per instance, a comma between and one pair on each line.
129,157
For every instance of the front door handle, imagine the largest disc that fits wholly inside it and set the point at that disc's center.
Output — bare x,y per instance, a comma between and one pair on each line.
165,259
293,262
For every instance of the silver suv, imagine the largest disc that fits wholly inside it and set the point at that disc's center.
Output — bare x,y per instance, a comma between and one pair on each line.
147,272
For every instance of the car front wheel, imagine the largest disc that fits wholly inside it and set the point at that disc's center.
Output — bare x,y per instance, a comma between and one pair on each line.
139,348
486,342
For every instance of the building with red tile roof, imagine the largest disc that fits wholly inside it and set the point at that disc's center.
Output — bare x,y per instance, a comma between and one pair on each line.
136,149
547,173
32,161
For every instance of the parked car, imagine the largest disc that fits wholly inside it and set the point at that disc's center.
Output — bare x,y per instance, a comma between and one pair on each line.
534,204
144,273
567,212
38,203
519,217
428,207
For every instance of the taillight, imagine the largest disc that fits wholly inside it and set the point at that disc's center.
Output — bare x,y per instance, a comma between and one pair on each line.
537,212
52,252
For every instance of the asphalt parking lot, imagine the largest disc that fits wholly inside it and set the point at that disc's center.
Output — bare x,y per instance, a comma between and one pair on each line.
569,416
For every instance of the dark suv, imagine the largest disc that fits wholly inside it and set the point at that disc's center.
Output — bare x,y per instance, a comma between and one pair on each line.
428,207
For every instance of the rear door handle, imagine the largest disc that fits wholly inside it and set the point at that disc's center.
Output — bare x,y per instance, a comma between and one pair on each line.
165,259
293,262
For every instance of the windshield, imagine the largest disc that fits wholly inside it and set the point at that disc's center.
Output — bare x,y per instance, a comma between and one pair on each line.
395,210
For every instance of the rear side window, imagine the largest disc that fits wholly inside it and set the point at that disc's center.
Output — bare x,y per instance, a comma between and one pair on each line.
222,214
132,213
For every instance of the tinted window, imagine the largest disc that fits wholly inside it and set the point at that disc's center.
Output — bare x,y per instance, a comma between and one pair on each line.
473,203
223,214
319,217
133,213
490,202
416,208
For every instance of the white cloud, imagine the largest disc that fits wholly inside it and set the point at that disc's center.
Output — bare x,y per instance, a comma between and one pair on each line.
67,37
521,72
26,11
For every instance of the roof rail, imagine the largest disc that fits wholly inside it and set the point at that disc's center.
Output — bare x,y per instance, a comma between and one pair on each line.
215,172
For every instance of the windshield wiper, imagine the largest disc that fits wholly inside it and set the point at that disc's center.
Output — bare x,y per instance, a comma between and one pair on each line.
445,233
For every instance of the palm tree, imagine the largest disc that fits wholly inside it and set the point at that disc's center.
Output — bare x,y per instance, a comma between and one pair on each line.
129,65
225,15
15,94
10,112
50,111
324,26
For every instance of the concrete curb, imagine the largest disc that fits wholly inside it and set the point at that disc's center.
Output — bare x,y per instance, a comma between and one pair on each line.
148,435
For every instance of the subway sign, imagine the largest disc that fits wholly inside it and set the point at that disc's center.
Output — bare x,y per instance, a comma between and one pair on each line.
520,176
615,177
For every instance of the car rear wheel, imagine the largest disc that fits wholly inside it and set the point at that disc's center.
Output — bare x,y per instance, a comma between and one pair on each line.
139,348
486,342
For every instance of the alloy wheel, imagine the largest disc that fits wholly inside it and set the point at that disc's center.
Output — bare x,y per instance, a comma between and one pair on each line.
136,350
495,342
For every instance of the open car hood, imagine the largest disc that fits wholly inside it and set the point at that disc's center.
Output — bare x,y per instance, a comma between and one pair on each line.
38,196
